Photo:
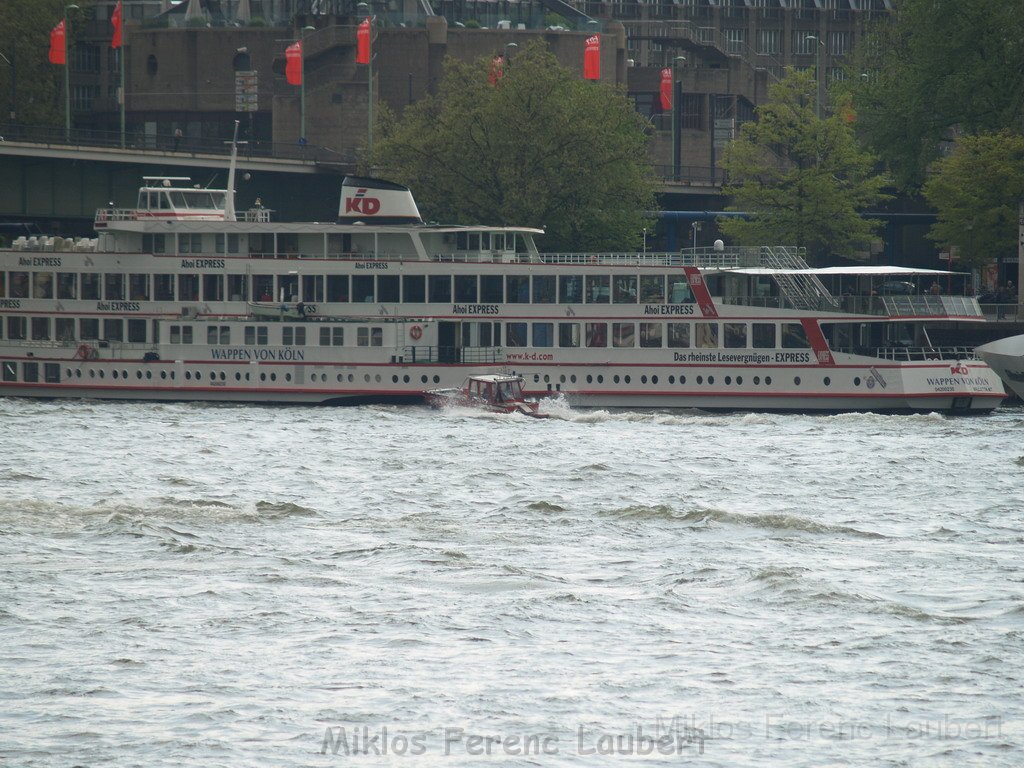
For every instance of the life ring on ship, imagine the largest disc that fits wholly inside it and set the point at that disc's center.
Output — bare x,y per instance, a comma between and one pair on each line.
85,352
416,332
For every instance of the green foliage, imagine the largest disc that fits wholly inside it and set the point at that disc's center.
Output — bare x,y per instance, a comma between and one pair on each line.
941,67
25,39
472,24
543,148
804,178
976,191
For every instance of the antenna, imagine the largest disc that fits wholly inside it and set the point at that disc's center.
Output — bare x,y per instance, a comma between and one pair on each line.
229,197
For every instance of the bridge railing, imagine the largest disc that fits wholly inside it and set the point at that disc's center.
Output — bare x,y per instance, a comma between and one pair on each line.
54,136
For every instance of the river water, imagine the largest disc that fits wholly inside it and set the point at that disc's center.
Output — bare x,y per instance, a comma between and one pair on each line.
203,585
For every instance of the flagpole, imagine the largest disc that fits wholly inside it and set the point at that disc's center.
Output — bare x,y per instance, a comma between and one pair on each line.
67,76
302,84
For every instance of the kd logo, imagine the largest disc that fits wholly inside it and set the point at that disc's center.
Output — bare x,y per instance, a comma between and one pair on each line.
367,206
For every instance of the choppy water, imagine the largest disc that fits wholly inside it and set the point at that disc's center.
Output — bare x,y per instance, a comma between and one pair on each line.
199,585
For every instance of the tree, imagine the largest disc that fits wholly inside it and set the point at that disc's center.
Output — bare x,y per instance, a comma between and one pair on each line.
976,191
540,147
804,179
25,40
939,67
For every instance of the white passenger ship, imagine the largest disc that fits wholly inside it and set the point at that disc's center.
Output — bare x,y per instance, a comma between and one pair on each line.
179,298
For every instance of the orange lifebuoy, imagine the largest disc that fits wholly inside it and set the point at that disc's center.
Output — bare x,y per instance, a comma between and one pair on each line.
416,332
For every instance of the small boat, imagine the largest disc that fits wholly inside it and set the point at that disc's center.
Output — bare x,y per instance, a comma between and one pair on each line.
1006,357
491,392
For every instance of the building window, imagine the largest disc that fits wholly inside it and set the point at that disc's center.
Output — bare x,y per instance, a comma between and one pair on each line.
768,41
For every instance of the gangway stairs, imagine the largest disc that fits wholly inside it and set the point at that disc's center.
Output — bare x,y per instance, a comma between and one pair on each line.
801,291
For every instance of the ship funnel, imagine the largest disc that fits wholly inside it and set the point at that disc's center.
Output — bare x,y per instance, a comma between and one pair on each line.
375,201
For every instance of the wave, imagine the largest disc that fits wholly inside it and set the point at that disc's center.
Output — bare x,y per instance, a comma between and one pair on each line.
771,522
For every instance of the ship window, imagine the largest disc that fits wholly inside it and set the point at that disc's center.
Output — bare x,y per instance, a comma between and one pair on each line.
163,287
543,334
41,328
138,287
625,289
288,287
570,289
762,335
90,285
30,372
517,289
387,288
362,337
652,289
568,334
650,334
705,335
543,289
597,334
293,336
3,282
597,289
113,329
188,287
19,285
414,288
492,289
213,287
376,337
256,335
10,371
679,335
466,288
154,243
113,286
175,334
362,288
681,293
263,287
515,334
65,330
332,337
137,331
211,334
623,335
16,328
190,243
313,288
734,335
236,288
42,285
88,329
439,289
794,336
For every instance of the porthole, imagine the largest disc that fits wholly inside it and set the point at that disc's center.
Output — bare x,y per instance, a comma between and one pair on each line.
339,378
856,381
394,379
113,374
700,379
238,376
68,374
643,379
600,378
78,373
796,380
615,378
739,380
366,378
102,373
671,379
173,375
405,379
138,374
561,379
682,379
626,378
547,379
352,378
163,374
287,377
149,375
222,376
437,379
590,379
273,377
728,380
768,381
828,381
711,379
423,379
536,378
247,376
376,378
92,374
124,374
757,380
572,378
263,377
654,379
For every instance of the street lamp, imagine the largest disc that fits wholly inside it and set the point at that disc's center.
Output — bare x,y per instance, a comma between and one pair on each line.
302,84
817,74
14,87
67,76
675,120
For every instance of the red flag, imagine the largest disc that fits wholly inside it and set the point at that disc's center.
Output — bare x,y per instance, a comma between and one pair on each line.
666,89
592,58
293,63
115,21
497,70
363,42
57,53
